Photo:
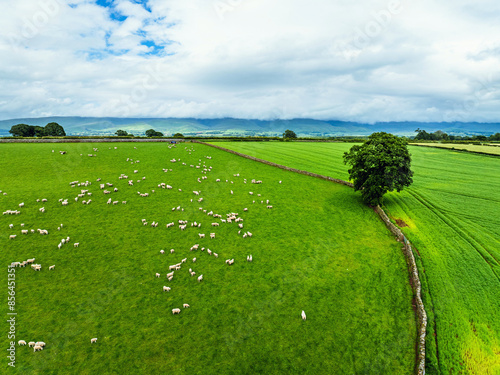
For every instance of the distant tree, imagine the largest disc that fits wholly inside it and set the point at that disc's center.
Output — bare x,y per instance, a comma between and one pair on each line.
178,135
22,130
54,129
121,133
153,133
379,165
422,135
289,134
39,131
481,138
495,137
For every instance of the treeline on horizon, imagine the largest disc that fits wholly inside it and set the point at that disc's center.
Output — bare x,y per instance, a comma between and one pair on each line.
53,129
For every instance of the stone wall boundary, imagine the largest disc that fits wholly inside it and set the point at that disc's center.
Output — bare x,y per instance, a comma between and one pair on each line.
407,251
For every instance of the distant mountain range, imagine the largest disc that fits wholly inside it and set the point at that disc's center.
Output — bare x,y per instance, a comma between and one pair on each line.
244,127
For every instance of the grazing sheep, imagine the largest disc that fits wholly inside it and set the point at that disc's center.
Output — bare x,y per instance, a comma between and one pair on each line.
166,289
200,278
212,235
249,258
303,315
21,342
176,311
76,244
40,343
31,343
37,348
194,260
192,273
52,267
11,226
93,340
24,231
185,305
162,251
157,274
170,278
12,236
184,260
216,255
202,235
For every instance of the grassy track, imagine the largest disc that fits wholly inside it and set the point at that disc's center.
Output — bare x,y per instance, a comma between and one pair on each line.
318,249
453,215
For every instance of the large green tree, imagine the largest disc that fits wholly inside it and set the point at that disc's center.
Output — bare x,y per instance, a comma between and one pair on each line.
289,134
22,130
379,165
153,133
54,129
121,133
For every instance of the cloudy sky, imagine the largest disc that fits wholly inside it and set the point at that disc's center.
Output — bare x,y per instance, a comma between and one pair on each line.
365,60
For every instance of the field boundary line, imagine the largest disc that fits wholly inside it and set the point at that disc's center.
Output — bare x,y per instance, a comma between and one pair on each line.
407,251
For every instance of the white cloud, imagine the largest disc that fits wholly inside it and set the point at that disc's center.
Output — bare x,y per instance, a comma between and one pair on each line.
363,61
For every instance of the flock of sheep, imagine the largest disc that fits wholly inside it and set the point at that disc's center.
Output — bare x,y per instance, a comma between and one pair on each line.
228,218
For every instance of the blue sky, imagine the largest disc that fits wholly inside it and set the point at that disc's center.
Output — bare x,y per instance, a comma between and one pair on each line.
369,60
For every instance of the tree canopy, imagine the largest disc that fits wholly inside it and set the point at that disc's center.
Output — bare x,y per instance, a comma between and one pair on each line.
379,165
153,133
54,129
178,135
24,130
289,134
121,133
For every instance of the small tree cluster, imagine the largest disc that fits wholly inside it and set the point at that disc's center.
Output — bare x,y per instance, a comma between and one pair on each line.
51,129
439,135
153,133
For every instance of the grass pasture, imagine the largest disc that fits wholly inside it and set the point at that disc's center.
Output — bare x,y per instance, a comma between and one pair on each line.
318,249
484,149
452,216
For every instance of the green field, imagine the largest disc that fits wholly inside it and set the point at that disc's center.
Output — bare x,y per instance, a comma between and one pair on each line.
452,213
318,249
492,149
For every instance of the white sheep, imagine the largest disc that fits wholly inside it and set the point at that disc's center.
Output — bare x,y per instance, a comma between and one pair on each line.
176,311
185,305
31,343
200,278
12,236
76,244
52,267
37,348
194,260
162,251
303,315
166,289
40,343
21,342
157,274
93,340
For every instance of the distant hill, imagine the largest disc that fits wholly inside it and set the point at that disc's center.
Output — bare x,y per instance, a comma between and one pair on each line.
245,127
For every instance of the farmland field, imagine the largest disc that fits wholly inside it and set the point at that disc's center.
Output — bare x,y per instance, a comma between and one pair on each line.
451,213
318,249
492,149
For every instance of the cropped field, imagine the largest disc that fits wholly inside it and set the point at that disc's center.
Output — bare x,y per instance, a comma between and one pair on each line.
492,149
452,216
318,249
